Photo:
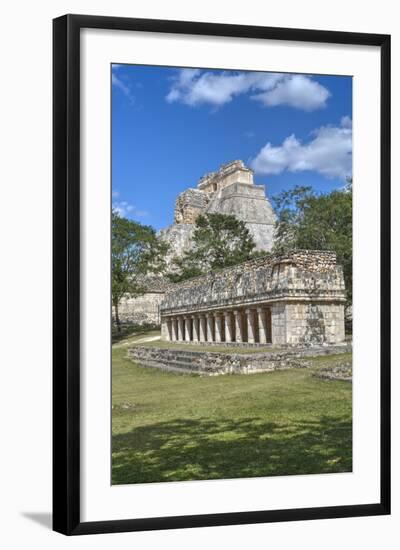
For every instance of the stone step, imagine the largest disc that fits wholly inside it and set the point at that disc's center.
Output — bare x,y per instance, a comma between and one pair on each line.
178,355
182,359
173,358
179,364
170,367
181,353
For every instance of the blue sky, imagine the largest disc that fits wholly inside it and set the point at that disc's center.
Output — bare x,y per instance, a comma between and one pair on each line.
170,126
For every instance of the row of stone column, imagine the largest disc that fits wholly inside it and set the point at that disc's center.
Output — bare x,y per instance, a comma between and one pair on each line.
219,326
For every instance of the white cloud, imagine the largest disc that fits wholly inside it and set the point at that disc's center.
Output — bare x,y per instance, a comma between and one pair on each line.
125,89
328,153
298,91
194,87
124,209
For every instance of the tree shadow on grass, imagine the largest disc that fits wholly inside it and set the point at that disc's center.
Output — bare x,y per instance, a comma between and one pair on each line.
207,449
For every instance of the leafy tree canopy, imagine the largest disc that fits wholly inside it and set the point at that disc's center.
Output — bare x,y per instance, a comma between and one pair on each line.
316,221
135,251
219,241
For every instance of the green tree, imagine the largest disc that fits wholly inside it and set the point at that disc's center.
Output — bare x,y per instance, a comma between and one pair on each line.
316,221
219,240
135,252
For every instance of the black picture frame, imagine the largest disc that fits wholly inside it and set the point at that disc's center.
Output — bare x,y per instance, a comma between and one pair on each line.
66,272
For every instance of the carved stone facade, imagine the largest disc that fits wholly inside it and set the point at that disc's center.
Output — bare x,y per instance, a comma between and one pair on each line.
230,190
231,172
296,299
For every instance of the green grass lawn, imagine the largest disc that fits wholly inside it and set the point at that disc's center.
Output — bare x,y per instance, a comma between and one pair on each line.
169,427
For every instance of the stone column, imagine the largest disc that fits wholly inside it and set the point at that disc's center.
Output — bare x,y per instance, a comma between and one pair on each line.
203,328
169,329
196,331
164,329
175,335
210,326
218,326
228,326
268,325
262,325
238,326
181,328
250,326
188,322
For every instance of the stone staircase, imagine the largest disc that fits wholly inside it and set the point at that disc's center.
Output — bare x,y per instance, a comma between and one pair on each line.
177,361
210,363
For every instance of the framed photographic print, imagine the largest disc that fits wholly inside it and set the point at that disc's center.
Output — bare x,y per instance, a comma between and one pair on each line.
221,274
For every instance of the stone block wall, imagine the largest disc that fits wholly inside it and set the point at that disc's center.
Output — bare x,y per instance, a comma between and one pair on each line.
229,173
142,310
314,323
189,205
278,324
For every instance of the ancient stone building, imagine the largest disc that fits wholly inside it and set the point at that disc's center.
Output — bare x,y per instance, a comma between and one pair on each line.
230,190
145,309
294,299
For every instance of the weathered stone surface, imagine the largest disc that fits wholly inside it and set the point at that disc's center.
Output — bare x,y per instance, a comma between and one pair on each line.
145,309
231,172
215,363
189,205
342,371
179,237
299,274
248,203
